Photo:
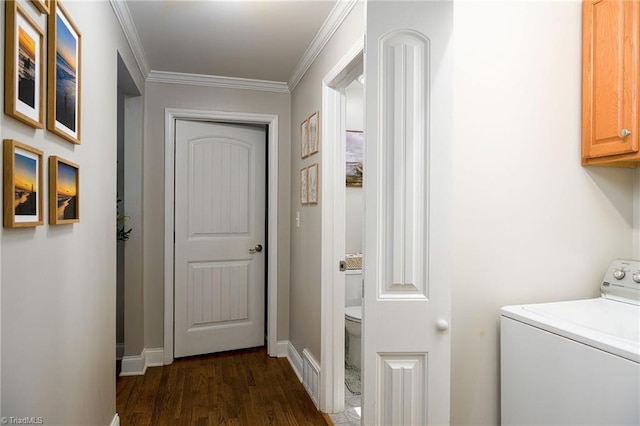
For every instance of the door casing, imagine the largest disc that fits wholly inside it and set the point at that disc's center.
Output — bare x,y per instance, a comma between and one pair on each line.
333,226
171,115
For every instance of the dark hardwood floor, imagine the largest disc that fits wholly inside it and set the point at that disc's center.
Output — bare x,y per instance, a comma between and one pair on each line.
243,387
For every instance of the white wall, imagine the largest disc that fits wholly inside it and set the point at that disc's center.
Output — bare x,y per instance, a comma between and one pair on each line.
58,282
530,224
159,96
636,215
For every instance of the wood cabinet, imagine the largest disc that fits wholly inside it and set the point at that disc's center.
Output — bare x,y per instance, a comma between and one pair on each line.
610,77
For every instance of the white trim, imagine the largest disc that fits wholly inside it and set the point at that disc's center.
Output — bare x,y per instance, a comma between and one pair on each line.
295,360
115,421
137,365
131,33
171,115
217,81
282,348
333,226
337,15
119,351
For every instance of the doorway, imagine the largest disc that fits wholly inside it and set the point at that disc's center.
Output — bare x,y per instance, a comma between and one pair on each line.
332,386
271,121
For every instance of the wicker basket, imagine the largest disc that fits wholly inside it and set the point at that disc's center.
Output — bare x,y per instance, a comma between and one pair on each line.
353,261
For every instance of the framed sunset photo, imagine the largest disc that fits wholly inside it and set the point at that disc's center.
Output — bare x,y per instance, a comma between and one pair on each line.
24,67
22,185
64,82
64,191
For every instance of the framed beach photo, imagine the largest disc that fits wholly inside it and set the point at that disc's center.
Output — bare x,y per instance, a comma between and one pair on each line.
22,185
304,139
42,6
64,191
64,74
354,158
24,67
314,133
304,196
312,182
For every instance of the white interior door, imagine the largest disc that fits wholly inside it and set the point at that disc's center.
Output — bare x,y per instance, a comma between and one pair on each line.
407,188
219,237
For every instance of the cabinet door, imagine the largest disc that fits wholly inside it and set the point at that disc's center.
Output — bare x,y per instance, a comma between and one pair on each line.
610,77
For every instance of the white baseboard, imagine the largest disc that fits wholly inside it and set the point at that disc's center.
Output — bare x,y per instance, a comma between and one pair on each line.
295,360
282,348
137,365
119,351
115,421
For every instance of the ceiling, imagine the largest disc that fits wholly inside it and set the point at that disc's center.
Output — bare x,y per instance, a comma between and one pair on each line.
249,39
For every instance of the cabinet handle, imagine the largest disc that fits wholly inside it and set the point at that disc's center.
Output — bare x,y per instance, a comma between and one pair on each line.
624,133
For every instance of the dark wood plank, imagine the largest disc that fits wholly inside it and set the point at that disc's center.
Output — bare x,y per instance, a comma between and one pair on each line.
234,388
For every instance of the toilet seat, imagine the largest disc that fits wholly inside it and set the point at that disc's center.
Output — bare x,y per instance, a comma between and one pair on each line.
353,313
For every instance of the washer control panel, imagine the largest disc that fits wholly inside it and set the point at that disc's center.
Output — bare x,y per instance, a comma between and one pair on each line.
622,281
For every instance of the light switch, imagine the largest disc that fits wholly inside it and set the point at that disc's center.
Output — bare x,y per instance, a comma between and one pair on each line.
298,219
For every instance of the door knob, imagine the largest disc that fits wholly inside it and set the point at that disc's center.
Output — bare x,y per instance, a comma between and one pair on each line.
256,249
624,133
442,325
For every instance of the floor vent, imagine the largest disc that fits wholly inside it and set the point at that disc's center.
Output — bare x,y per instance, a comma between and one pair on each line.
311,376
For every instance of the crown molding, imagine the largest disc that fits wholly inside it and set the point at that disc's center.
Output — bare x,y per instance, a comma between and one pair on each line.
217,81
126,22
338,14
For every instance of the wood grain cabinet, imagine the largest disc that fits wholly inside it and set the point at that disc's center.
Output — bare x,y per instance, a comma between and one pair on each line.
610,77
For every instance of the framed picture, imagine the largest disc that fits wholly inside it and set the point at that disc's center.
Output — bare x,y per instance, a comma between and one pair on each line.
304,196
22,185
355,157
314,133
312,181
24,67
64,191
42,6
64,83
304,139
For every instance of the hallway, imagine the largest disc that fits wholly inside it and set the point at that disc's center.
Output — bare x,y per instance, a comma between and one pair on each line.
243,387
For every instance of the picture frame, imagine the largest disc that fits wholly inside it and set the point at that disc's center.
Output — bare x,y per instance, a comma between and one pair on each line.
42,6
314,133
22,172
354,158
312,183
304,189
64,74
24,67
64,191
304,139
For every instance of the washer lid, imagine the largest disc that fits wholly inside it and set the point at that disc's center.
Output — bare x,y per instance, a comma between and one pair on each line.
609,325
354,312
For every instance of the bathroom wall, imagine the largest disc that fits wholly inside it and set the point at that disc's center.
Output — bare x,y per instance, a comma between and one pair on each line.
355,121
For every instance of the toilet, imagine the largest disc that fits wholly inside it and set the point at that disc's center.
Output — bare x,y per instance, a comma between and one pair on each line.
353,324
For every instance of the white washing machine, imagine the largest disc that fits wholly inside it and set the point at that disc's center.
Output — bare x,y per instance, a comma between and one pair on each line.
576,362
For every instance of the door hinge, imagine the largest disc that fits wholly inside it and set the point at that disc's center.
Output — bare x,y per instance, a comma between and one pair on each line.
342,266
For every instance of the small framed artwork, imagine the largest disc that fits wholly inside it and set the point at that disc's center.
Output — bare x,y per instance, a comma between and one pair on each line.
24,67
22,185
304,139
304,194
64,191
42,6
64,83
355,158
314,133
312,182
